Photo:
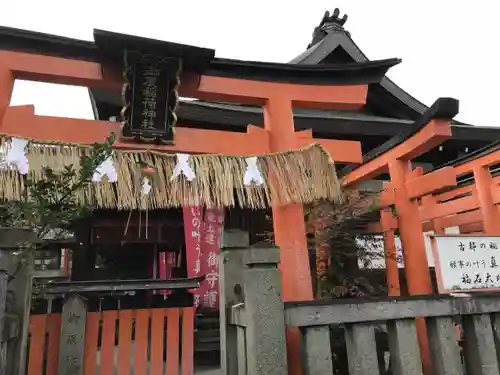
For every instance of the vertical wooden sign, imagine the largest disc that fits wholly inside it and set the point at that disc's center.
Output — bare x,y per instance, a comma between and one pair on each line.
150,98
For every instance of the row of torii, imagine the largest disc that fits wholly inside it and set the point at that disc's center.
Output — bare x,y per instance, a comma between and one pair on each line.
421,206
471,208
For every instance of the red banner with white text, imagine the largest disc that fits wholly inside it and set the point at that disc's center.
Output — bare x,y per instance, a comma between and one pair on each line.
210,250
193,231
203,241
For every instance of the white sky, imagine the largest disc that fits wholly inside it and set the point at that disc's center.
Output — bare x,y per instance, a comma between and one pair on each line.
447,47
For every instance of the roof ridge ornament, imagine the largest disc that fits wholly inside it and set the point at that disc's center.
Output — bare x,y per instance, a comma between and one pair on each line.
329,23
333,22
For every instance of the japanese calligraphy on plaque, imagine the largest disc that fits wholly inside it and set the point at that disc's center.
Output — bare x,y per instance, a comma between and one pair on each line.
210,249
150,98
467,263
74,317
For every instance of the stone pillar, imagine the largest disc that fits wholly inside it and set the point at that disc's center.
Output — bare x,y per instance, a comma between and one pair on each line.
71,352
235,244
20,268
4,266
21,287
264,310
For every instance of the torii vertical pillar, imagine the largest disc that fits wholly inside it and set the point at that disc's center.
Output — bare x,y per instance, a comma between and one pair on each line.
410,230
489,211
288,224
390,253
288,221
6,89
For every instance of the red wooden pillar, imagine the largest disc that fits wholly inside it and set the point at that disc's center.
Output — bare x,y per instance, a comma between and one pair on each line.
288,221
410,229
6,89
289,226
390,252
429,201
489,212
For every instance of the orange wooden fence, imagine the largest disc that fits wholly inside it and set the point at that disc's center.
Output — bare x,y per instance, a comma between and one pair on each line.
141,333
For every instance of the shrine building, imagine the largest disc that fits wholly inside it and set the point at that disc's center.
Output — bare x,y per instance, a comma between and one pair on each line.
207,158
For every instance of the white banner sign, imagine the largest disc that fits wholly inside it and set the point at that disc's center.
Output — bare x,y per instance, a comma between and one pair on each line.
372,252
374,249
467,263
374,246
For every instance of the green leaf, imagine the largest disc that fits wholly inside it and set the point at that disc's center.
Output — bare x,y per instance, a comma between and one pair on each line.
51,202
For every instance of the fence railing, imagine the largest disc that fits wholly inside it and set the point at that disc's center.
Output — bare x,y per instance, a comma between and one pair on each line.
374,336
93,329
141,341
479,318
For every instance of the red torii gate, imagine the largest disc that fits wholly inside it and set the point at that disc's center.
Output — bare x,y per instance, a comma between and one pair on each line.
473,208
405,187
277,98
469,204
459,207
406,184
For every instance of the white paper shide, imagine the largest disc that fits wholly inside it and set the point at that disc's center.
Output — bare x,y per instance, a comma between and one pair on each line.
252,173
183,168
15,155
106,168
146,186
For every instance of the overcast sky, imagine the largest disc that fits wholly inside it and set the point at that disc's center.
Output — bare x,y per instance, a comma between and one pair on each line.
448,48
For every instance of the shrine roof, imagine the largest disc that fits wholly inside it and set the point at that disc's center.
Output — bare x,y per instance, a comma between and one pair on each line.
336,46
321,121
332,43
443,108
389,111
468,178
332,57
109,46
328,123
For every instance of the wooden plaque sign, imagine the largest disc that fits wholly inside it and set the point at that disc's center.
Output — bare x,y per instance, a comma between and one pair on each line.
150,98
467,263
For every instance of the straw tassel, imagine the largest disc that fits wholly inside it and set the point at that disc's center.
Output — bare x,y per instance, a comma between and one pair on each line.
298,176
